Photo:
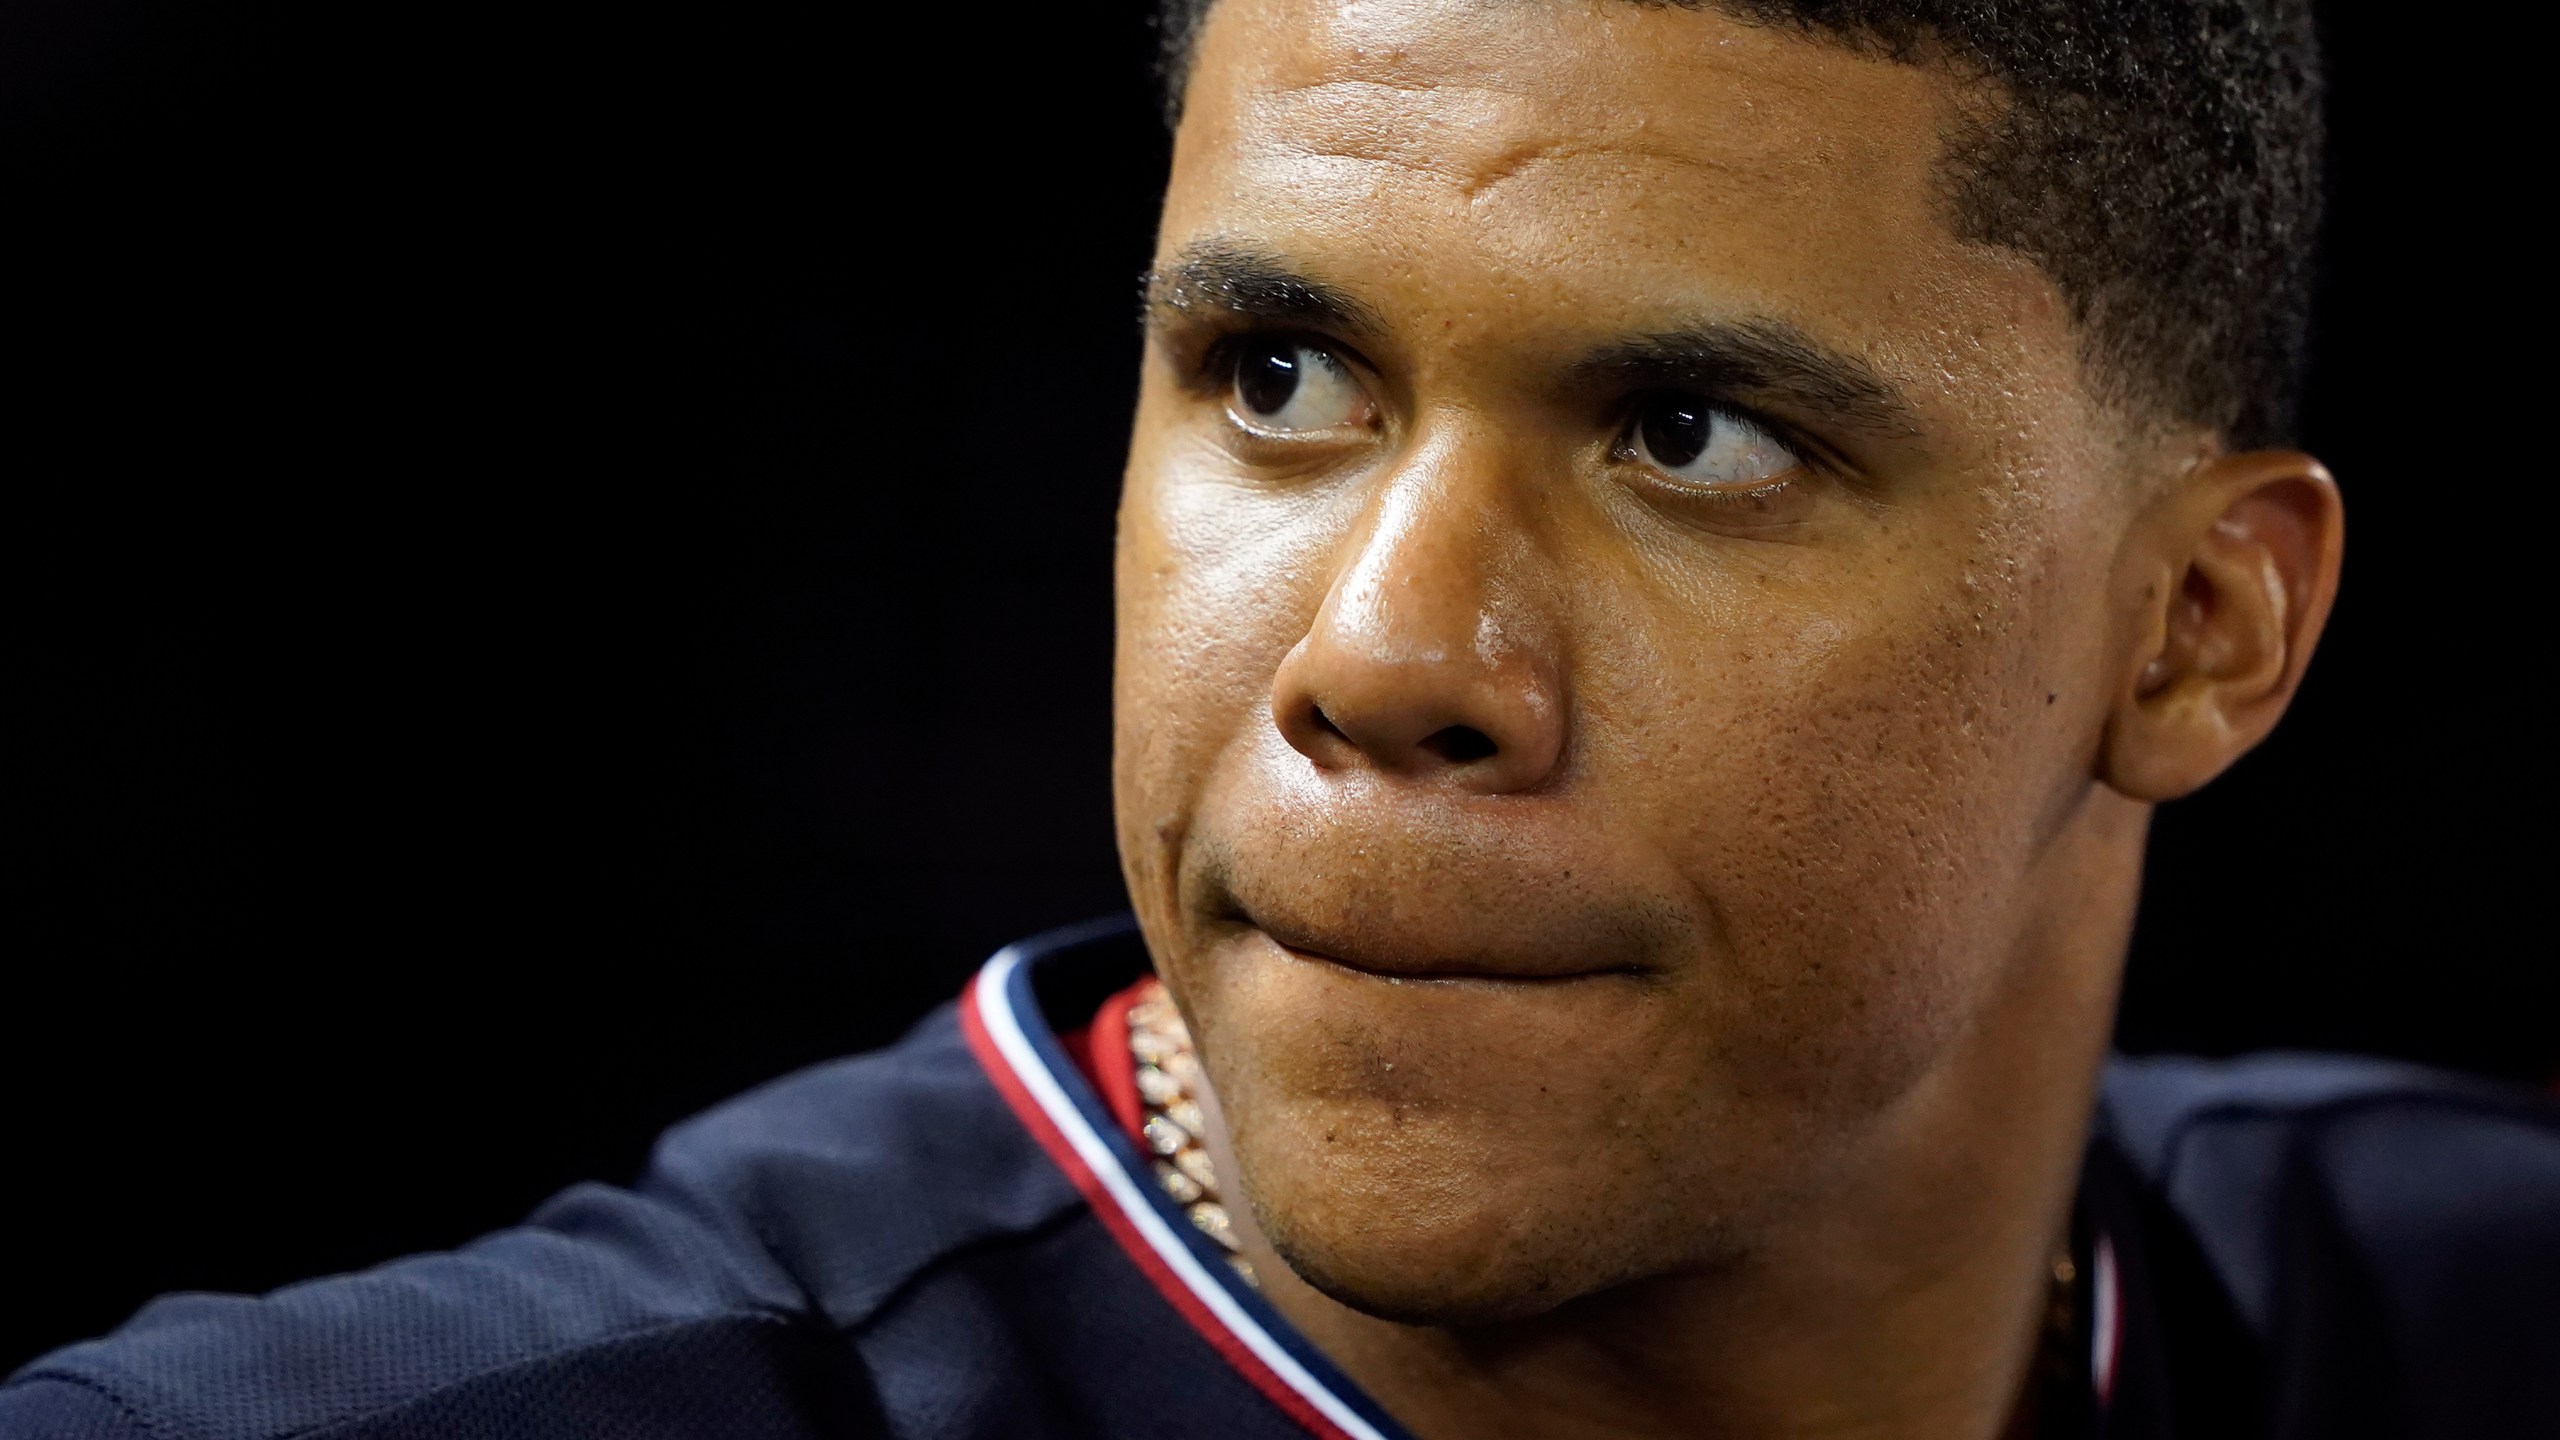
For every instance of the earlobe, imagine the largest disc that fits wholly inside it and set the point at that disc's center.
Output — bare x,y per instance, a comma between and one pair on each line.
2229,582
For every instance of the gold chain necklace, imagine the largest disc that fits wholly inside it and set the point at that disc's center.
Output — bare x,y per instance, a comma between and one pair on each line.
1175,1130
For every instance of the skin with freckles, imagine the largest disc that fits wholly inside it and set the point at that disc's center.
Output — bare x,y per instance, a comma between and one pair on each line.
1644,664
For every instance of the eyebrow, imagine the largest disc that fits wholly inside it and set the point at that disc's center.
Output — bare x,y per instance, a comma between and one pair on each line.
1250,284
1765,359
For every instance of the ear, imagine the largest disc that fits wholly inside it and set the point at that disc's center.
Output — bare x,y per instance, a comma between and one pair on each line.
2228,584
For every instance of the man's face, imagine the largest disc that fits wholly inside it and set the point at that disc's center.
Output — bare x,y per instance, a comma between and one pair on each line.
1612,628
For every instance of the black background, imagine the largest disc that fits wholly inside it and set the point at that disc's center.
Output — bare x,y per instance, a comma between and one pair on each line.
557,566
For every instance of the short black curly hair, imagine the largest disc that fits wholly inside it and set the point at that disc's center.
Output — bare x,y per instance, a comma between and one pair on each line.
2160,159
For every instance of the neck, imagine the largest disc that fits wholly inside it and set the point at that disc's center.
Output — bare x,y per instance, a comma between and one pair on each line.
1906,1296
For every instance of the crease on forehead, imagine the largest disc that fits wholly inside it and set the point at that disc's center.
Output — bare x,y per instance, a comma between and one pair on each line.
1473,151
1480,104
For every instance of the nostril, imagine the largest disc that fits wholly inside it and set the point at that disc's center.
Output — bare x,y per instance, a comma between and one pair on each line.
1459,744
1325,723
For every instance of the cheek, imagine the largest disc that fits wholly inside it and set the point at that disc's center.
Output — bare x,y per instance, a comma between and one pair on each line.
1853,786
1215,583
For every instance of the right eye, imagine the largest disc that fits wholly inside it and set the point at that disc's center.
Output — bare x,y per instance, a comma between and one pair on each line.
1288,387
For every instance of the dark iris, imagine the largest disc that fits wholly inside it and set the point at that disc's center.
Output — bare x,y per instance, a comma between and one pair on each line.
1676,430
1266,376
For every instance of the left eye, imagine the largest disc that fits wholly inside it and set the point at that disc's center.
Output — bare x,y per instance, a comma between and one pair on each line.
1285,387
1694,442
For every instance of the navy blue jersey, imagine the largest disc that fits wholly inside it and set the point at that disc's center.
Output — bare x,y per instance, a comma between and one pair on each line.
953,1238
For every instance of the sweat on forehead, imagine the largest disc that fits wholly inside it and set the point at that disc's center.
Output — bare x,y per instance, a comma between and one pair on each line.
2160,159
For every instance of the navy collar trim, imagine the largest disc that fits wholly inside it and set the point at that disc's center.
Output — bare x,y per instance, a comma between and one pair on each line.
1020,1051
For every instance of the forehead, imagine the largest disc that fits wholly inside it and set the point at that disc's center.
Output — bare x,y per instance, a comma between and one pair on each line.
1513,165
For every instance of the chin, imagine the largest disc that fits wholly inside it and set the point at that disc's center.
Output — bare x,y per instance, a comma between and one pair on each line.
1418,1287
1432,1230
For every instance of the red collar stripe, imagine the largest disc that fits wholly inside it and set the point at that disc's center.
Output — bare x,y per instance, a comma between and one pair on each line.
2106,1328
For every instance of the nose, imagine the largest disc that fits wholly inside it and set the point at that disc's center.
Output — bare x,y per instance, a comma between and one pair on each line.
1431,657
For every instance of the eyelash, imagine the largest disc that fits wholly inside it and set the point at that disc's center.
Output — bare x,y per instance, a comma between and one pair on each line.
1216,367
1739,499
1809,452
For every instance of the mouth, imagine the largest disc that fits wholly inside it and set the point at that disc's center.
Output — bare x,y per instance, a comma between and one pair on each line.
1442,898
1493,963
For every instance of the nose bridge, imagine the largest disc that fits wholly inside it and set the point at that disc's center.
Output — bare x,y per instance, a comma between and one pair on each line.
1432,655
1419,583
